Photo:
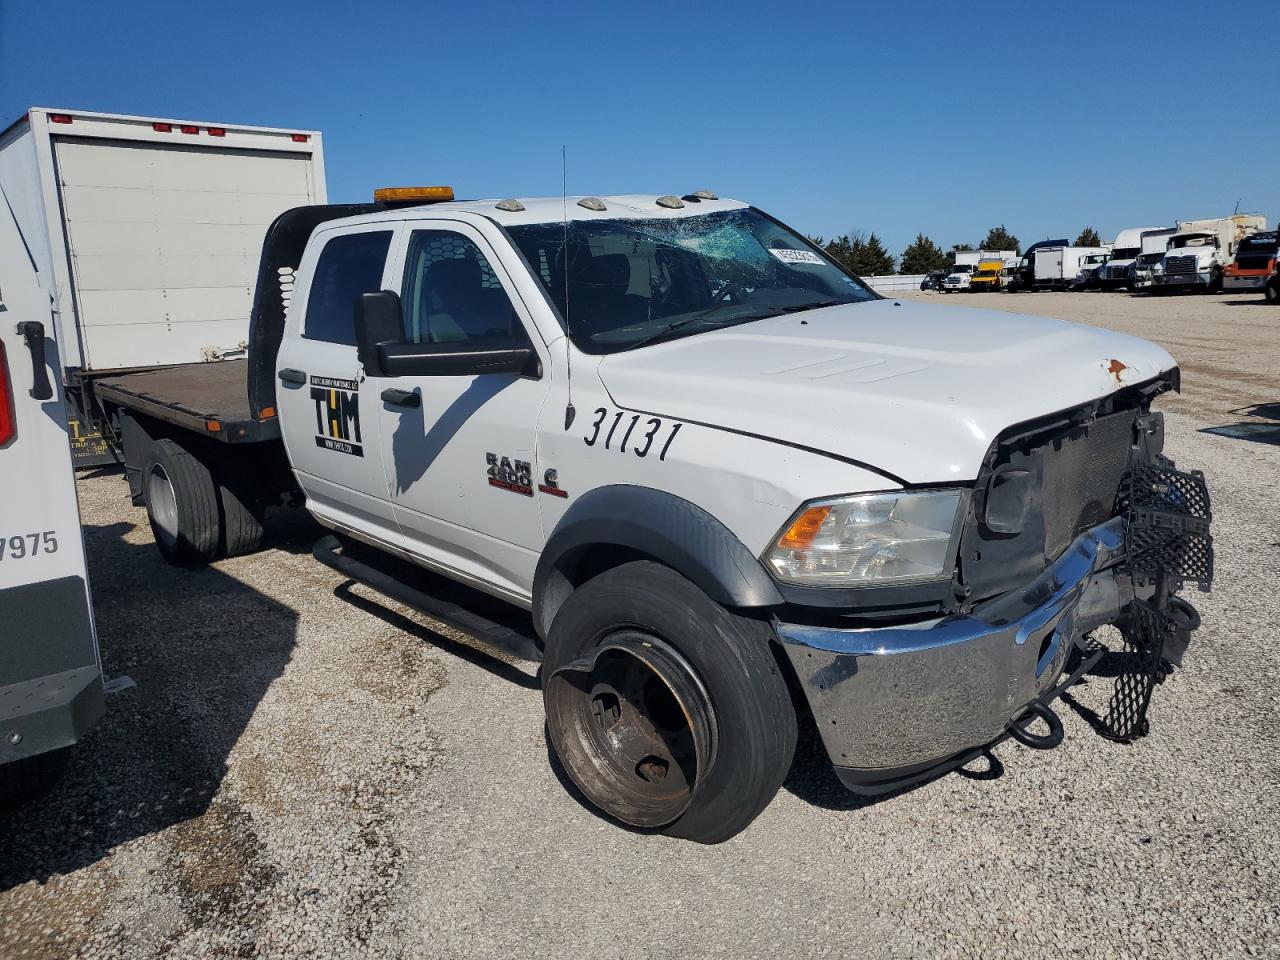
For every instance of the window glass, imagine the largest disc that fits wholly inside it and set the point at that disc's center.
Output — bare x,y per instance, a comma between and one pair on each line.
349,265
451,294
632,282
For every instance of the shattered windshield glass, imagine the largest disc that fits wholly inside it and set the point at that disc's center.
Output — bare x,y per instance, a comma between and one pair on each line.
632,282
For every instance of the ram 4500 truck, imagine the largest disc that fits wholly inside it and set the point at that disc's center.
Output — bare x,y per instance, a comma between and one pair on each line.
734,487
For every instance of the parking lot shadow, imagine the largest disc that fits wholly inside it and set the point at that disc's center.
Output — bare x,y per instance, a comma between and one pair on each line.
203,648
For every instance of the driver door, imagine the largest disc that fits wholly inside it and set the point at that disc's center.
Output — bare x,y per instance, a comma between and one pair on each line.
459,452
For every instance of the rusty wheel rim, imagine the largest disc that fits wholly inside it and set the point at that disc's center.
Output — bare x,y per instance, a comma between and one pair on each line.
633,726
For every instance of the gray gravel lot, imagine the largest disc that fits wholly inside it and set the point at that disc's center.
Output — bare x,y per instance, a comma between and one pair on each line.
306,770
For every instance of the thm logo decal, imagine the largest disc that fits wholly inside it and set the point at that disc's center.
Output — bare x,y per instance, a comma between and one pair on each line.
507,474
337,415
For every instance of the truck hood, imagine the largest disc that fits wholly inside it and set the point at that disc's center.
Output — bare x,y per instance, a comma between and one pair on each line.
913,390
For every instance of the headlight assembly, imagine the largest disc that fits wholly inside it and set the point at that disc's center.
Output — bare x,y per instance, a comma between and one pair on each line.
870,539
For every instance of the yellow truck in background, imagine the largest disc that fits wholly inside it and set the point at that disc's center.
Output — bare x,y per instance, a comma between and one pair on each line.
987,276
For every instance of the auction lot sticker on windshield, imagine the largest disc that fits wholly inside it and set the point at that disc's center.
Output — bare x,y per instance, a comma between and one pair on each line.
797,256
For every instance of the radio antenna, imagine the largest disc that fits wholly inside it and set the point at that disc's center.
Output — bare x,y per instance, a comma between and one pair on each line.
568,347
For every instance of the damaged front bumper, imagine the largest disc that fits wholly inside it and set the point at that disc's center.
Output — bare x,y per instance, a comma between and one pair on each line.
899,704
892,701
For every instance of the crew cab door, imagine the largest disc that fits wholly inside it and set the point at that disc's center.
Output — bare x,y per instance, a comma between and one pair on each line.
328,411
459,451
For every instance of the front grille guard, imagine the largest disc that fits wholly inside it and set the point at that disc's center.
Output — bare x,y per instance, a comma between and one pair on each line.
1168,545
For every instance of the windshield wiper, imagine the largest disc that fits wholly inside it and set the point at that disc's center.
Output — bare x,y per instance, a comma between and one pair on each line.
817,304
674,325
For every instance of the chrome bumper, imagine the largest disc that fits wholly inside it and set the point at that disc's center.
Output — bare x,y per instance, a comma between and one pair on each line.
895,699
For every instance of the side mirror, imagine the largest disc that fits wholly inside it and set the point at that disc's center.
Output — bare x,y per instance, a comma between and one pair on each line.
458,359
379,320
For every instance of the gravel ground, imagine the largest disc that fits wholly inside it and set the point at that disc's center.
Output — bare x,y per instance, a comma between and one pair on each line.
305,770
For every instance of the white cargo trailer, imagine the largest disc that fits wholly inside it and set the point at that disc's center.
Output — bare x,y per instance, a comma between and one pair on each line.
1056,267
147,233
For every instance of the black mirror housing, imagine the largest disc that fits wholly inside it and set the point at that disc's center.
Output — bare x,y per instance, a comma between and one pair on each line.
379,320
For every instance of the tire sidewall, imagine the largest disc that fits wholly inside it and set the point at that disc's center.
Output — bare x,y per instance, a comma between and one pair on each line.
199,529
755,720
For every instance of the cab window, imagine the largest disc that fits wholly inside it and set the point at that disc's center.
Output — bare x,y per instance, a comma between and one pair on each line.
451,294
350,265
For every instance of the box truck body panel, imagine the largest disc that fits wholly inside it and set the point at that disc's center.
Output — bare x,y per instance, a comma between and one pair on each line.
150,235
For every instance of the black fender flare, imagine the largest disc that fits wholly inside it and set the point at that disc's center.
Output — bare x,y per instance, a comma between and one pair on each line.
668,528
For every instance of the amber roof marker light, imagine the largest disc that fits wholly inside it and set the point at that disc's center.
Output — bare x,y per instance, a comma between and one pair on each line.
413,194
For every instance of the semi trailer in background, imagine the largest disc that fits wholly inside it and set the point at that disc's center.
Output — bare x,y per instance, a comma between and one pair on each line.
147,233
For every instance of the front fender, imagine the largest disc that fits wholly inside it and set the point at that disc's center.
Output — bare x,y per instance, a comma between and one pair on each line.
661,525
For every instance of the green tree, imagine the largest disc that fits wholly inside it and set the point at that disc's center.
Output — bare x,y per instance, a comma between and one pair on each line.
872,259
998,238
957,248
923,256
860,253
1088,238
842,248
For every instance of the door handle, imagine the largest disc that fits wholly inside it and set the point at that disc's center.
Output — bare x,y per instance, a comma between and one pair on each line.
296,377
33,334
402,398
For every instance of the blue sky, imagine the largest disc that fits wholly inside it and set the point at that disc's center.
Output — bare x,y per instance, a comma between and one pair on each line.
892,117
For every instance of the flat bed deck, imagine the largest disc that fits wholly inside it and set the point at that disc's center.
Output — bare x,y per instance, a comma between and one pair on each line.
209,398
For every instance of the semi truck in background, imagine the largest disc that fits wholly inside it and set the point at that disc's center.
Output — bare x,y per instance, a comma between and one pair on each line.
1124,251
51,687
1199,251
146,232
1143,270
1254,266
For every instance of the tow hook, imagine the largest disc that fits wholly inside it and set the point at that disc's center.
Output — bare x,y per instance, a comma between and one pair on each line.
1036,709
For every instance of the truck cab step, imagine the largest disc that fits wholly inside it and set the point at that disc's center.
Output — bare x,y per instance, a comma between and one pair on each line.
333,553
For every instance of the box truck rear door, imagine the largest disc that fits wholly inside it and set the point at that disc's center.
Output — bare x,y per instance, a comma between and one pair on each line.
164,242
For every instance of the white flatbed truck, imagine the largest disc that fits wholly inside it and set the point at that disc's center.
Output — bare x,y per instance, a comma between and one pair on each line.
732,485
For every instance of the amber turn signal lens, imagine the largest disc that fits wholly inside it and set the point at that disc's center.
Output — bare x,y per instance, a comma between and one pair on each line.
800,535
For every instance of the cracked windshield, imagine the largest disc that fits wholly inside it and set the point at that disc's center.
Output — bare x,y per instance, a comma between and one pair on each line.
641,281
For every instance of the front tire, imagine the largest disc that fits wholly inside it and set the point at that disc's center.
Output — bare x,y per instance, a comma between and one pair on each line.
182,504
1272,290
669,712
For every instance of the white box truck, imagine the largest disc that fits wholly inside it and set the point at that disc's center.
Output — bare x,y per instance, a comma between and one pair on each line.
1057,267
1200,250
147,234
